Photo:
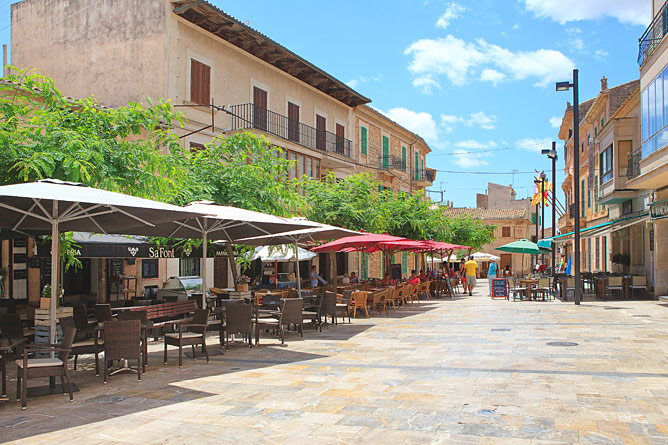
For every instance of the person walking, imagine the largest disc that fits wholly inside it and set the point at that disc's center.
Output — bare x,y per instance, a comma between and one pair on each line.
471,271
315,278
492,272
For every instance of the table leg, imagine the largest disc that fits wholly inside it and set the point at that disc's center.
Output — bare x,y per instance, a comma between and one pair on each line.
3,370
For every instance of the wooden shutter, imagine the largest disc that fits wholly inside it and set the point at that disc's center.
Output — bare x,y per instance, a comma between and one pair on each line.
260,108
200,83
321,134
363,140
386,152
340,139
403,158
293,122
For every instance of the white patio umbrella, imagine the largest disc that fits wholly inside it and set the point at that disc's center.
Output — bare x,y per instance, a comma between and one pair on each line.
481,256
53,206
281,254
318,232
224,223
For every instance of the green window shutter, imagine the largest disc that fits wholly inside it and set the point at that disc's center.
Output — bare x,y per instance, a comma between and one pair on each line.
364,259
382,259
386,152
403,158
596,191
380,189
595,131
602,121
421,168
415,166
533,218
363,140
404,263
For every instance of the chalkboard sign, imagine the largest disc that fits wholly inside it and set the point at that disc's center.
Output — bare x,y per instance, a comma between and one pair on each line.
20,274
20,242
20,258
116,266
500,288
448,284
395,271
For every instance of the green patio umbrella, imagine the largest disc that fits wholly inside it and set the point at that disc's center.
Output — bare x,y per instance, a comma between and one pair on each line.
523,246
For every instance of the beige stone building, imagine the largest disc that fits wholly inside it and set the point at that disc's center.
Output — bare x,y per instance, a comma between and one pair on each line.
225,77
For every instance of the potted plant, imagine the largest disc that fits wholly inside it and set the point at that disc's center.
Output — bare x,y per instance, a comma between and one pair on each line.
241,283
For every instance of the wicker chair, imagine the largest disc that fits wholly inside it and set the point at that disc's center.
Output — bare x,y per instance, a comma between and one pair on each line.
145,324
122,341
238,320
615,284
84,328
290,313
11,326
359,302
103,313
85,346
329,307
314,313
638,282
190,334
544,288
515,290
31,368
380,301
344,305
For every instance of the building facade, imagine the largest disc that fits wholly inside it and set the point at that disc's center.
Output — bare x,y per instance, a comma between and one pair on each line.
612,217
225,77
648,162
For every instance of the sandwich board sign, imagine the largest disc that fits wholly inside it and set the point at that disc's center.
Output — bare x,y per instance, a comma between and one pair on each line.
499,288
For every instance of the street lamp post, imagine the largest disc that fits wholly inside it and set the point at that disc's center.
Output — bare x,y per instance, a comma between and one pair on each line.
552,154
565,86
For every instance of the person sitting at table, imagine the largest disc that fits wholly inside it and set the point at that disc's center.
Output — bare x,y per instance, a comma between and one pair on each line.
345,279
414,279
353,278
387,280
315,278
422,276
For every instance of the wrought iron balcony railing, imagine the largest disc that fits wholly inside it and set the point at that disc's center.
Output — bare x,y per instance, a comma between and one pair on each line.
653,35
392,162
571,211
250,116
633,167
424,174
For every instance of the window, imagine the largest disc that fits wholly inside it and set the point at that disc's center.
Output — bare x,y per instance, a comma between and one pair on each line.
606,165
533,218
654,114
341,139
363,140
189,267
505,232
602,121
364,268
304,164
589,199
149,268
200,82
293,168
404,263
320,132
589,253
596,192
260,102
415,166
300,166
598,253
403,158
195,147
386,152
604,253
582,198
293,122
422,168
595,131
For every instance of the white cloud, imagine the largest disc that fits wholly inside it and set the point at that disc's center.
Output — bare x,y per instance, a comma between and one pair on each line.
470,153
448,122
452,11
600,55
555,122
426,85
482,120
460,61
421,123
491,75
534,144
634,12
353,83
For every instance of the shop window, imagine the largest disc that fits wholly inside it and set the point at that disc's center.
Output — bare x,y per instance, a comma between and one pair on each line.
149,268
189,267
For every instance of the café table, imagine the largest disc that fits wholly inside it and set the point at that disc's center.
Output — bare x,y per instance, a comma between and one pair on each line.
6,346
531,285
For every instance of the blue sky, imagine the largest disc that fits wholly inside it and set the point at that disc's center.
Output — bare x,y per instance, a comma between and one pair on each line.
475,78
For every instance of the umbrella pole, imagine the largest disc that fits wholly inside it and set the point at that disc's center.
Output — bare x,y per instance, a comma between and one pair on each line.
299,281
204,252
55,260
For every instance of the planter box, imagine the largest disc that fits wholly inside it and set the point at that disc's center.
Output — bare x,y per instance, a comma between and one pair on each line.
42,315
241,287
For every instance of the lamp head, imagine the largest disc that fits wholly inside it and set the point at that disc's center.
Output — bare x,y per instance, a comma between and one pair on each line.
563,86
549,152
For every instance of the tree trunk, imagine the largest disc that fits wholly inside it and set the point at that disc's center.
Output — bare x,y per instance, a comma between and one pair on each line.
233,263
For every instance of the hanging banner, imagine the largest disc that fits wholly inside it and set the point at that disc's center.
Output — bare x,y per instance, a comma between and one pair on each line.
545,194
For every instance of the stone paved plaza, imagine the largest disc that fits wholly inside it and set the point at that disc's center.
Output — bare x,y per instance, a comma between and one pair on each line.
470,370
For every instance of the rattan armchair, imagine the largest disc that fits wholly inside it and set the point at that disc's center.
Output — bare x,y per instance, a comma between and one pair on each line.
290,313
359,302
380,301
122,341
103,313
329,306
314,313
31,368
92,345
344,305
238,320
190,334
145,326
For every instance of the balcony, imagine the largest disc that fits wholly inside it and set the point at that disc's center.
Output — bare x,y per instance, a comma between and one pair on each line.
424,177
394,164
633,167
653,35
252,117
571,211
